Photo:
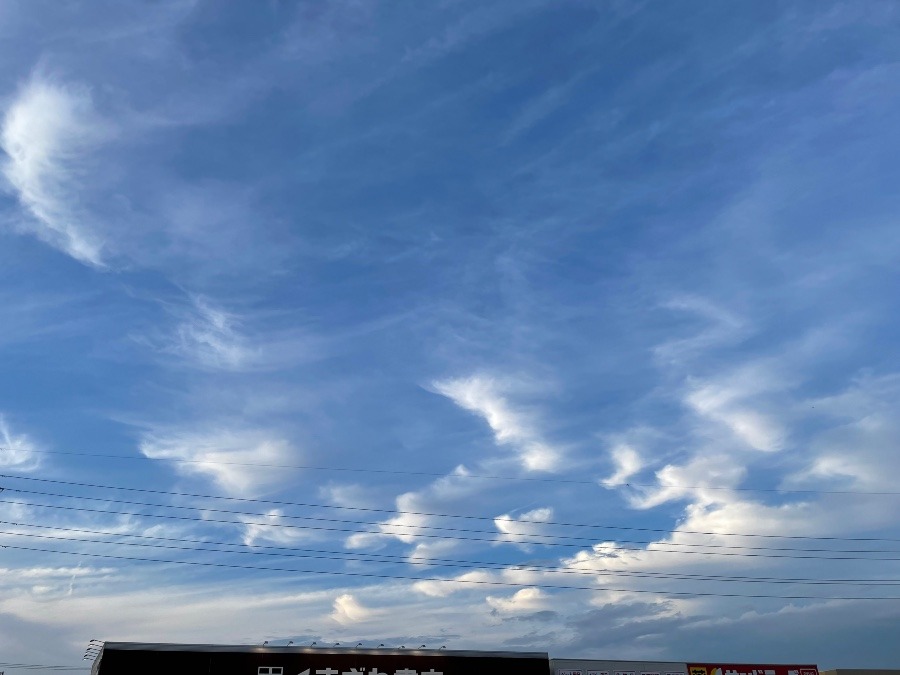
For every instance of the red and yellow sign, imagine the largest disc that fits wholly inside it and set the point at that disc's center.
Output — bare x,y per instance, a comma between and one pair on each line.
750,669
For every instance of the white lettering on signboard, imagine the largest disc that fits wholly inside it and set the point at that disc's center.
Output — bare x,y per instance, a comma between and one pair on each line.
569,672
601,672
270,670
624,672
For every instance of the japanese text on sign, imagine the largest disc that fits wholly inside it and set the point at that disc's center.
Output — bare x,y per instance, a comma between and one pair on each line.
375,671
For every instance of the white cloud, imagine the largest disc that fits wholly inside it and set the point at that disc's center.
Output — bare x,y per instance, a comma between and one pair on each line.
725,404
740,401
733,402
208,336
716,512
523,601
348,611
442,588
242,462
47,132
31,573
51,583
447,494
427,550
405,526
351,495
480,395
705,479
410,524
270,528
484,396
17,451
722,327
440,496
711,528
528,526
627,461
120,610
860,450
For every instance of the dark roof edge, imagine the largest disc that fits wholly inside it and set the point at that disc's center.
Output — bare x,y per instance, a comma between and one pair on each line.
683,664
275,649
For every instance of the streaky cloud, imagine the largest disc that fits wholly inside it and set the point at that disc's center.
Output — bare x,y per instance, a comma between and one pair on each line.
210,337
47,131
485,396
17,451
242,461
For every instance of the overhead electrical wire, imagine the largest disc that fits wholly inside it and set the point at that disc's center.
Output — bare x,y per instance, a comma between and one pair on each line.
476,582
519,539
344,556
400,472
384,559
413,513
545,538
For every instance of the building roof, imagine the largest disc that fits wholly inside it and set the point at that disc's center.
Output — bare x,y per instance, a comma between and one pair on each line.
295,649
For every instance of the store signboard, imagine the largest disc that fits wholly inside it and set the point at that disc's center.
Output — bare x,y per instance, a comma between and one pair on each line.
750,669
602,667
135,659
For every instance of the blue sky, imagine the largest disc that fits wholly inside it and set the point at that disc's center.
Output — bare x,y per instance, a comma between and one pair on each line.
361,267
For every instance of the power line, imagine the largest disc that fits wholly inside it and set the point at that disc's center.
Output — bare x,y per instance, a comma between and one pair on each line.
399,472
343,556
421,513
546,538
445,537
477,582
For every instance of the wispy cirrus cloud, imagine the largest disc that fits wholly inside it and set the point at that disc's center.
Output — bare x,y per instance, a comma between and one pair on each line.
239,461
270,527
18,452
411,521
46,584
736,420
860,451
205,335
731,405
487,397
721,326
48,131
210,337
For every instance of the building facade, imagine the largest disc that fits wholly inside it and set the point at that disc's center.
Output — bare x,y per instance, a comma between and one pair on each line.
131,658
